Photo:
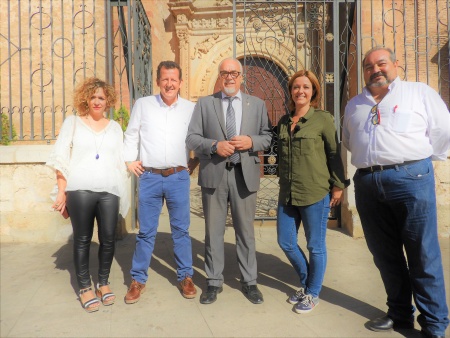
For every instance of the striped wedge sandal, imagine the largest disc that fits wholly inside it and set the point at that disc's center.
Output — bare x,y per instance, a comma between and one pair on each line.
107,298
91,305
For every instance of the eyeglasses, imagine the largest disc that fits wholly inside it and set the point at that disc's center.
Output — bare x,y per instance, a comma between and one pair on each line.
233,74
376,118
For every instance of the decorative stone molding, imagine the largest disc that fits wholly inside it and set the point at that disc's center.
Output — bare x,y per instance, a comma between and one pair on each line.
183,36
220,3
181,18
203,47
212,23
210,72
204,30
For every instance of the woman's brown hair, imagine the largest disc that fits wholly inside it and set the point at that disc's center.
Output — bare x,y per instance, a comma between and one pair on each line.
315,98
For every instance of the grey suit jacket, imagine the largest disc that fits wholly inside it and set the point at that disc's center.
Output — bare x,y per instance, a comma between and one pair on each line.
208,124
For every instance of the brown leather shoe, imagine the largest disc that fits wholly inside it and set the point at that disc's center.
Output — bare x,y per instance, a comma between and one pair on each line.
134,292
187,288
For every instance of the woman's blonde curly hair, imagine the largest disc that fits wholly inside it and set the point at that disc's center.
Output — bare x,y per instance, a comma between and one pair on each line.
84,92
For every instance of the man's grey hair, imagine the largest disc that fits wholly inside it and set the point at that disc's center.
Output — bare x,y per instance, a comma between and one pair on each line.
374,49
240,65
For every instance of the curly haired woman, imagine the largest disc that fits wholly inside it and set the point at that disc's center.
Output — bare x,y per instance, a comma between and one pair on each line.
90,174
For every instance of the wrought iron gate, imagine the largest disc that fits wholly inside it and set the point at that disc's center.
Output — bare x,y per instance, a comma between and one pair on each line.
329,38
49,47
131,50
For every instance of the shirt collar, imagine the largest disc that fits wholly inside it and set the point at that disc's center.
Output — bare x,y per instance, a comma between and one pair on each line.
163,104
391,86
395,83
238,95
307,116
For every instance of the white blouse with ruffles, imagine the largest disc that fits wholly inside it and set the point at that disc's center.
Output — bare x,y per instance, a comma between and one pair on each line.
81,169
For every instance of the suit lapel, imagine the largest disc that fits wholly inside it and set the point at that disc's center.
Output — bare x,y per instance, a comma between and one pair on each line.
217,102
245,111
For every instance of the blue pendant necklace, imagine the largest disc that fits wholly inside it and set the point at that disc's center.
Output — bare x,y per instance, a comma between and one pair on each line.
97,156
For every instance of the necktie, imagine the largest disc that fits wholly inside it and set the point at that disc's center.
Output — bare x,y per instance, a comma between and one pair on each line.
231,126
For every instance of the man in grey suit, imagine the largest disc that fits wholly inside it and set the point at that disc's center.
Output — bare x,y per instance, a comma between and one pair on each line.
226,132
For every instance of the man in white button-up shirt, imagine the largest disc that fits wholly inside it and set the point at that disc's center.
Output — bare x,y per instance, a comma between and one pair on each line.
155,151
394,129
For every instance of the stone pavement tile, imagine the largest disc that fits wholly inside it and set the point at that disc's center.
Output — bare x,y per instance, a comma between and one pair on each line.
328,320
232,315
159,315
9,316
60,320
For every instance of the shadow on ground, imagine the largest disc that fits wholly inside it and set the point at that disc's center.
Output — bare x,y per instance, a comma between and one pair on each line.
273,272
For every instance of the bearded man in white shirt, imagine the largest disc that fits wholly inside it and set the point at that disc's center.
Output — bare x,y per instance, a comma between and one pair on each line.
394,129
155,151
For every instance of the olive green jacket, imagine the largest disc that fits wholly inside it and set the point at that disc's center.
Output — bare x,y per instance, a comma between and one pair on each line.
309,162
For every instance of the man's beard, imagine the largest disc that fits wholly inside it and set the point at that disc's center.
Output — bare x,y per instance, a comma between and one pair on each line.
229,91
378,83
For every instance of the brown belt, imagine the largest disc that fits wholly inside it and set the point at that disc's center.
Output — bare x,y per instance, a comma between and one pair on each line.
165,172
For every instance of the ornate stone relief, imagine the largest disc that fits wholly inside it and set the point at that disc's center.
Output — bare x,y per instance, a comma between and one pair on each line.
215,60
240,38
223,3
181,18
203,47
212,22
183,36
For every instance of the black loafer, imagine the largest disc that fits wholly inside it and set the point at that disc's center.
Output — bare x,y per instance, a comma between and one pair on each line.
210,296
253,294
430,335
386,324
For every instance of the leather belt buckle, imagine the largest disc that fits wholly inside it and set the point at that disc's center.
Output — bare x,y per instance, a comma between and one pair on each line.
167,172
164,172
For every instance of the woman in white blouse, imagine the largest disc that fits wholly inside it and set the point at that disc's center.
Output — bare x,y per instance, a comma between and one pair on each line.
90,174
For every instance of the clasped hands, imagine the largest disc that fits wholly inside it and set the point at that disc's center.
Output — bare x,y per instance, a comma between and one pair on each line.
239,142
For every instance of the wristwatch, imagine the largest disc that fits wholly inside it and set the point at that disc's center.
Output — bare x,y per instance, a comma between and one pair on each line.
214,148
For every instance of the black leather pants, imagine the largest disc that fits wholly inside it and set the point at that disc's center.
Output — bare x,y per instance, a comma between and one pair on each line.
84,206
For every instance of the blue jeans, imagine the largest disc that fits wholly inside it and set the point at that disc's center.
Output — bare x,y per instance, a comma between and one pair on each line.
397,208
153,190
314,218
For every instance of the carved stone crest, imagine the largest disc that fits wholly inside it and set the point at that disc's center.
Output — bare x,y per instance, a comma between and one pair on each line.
203,47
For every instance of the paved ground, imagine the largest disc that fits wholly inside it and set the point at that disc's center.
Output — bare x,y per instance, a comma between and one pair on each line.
39,299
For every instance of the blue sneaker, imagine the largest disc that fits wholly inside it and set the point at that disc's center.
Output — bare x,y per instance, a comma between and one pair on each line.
297,296
307,304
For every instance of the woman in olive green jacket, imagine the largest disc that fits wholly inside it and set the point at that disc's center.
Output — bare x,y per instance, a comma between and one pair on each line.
311,181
